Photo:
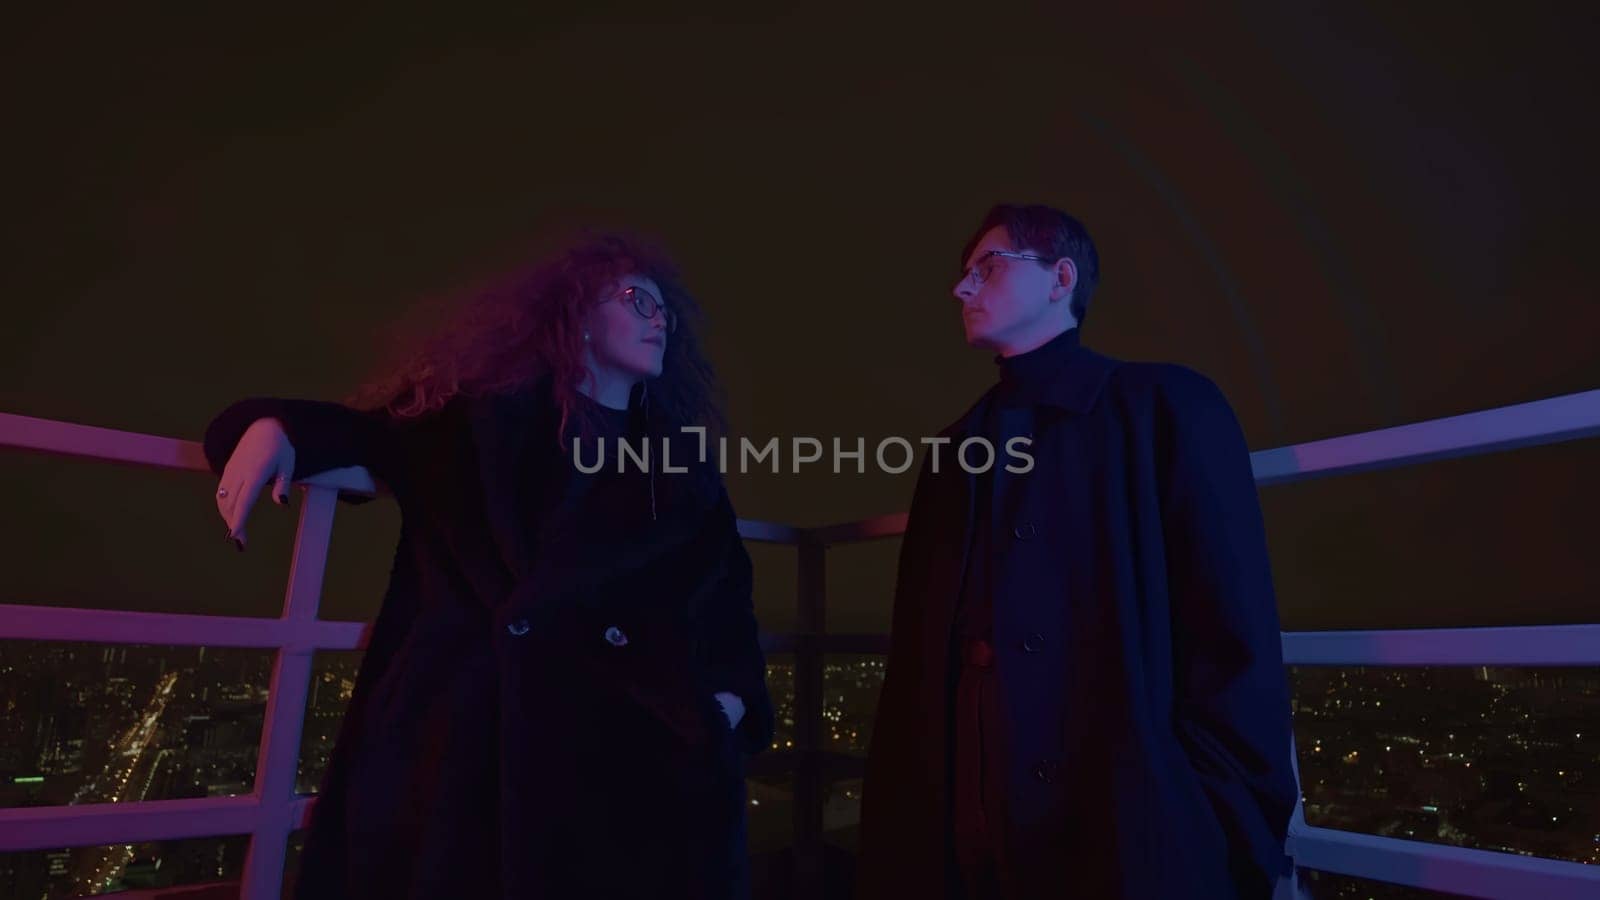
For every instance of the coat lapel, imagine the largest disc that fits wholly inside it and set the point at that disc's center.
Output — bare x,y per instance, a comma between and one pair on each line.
503,430
506,432
1074,390
957,491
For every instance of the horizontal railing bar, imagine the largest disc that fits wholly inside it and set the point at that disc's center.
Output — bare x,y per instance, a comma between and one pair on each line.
209,890
105,626
770,532
72,439
49,827
889,525
92,442
1521,645
1548,421
1414,863
1524,645
1551,421
201,891
92,825
1440,867
1506,428
1530,645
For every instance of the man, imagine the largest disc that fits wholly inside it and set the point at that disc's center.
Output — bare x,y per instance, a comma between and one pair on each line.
1085,692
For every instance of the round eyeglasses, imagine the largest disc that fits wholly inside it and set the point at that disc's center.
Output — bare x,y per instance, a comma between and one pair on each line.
984,267
646,304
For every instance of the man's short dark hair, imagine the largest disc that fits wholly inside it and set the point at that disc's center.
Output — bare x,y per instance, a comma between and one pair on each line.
1047,232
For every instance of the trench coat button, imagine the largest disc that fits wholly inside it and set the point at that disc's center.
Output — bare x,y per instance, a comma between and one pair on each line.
518,627
615,637
1033,643
1045,771
1024,532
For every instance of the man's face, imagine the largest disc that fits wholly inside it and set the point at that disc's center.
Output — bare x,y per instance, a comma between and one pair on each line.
1005,301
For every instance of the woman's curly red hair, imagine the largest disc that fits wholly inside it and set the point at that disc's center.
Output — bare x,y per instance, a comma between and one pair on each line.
527,327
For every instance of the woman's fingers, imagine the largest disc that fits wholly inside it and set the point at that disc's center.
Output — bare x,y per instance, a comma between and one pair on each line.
228,490
262,458
224,497
249,492
242,494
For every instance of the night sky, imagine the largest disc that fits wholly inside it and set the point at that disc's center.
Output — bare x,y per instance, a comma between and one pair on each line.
1350,219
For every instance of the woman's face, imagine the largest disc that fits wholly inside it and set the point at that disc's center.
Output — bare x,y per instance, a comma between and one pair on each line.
620,339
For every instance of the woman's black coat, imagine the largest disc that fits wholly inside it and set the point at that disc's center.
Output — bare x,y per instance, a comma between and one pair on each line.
502,741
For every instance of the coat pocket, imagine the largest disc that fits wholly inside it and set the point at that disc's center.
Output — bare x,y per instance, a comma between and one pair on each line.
1190,828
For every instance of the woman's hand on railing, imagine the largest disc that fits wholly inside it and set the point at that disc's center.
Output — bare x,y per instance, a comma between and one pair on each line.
262,455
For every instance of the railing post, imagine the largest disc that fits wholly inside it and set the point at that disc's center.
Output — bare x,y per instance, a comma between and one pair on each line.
278,761
1297,820
808,775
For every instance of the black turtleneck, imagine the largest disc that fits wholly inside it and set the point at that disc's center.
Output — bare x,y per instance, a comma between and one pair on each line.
567,491
604,420
1024,376
1023,380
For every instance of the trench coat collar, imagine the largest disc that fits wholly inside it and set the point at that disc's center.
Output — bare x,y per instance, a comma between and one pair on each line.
504,428
514,433
1075,388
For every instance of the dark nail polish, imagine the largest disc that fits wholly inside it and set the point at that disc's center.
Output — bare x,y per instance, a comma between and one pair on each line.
239,544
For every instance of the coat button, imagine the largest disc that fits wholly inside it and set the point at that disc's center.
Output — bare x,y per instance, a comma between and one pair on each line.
518,627
1024,532
1033,643
1045,771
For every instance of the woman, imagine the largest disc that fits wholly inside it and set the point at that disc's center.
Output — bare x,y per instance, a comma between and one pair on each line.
565,671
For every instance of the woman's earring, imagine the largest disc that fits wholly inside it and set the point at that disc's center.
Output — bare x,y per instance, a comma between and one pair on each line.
586,336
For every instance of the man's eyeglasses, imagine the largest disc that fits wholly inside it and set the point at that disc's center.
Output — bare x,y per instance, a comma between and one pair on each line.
646,304
984,267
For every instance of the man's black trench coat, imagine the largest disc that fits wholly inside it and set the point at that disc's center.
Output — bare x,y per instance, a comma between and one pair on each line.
1145,727
497,743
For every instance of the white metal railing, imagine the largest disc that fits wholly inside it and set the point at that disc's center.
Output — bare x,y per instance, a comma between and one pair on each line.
1520,645
273,810
1441,867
